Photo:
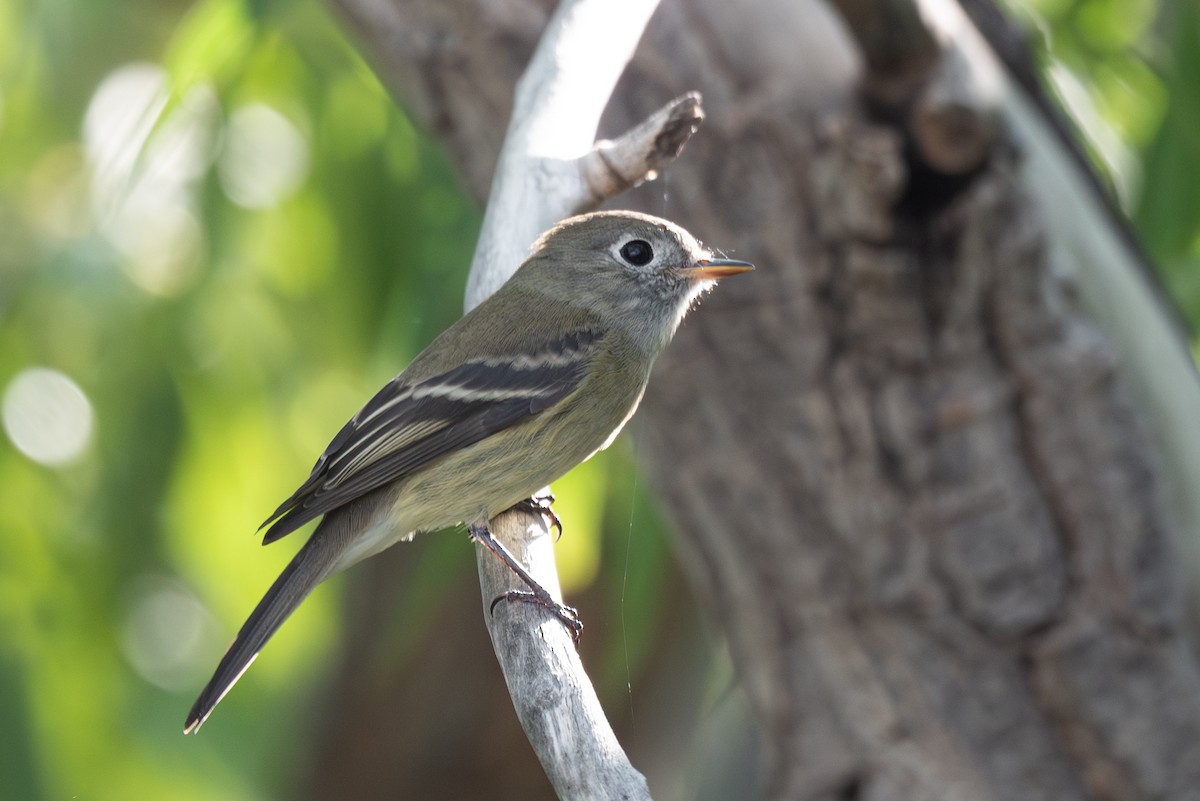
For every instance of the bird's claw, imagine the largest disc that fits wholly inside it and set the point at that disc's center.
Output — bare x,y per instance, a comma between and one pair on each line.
542,505
567,615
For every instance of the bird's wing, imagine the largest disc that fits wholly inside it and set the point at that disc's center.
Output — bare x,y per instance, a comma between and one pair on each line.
408,425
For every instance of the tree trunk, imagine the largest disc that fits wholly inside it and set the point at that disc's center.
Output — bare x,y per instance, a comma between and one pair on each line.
905,472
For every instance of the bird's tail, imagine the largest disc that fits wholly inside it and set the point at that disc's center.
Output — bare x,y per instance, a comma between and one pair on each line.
312,565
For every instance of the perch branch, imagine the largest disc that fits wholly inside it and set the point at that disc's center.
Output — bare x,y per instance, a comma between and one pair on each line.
548,154
551,167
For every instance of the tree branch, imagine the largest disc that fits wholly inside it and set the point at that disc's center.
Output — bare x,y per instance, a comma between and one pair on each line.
541,176
553,697
550,167
899,50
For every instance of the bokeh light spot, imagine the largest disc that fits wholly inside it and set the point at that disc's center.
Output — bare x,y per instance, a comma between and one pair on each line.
119,119
144,171
161,242
47,416
163,632
265,158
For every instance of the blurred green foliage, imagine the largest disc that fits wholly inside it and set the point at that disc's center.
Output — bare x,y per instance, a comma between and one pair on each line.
1128,71
219,227
220,236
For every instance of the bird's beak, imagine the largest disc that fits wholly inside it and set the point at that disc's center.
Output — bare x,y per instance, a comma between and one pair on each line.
716,268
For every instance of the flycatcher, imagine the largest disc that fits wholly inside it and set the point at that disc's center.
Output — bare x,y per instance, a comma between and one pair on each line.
525,386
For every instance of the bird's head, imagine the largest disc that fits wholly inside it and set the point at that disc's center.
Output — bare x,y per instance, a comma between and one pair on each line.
643,271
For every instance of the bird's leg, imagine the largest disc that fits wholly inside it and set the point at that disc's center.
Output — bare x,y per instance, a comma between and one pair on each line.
536,594
542,505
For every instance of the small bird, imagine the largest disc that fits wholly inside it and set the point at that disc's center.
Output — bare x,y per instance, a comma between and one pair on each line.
528,384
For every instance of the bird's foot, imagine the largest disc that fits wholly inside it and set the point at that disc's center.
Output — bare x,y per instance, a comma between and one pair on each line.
542,505
536,594
567,615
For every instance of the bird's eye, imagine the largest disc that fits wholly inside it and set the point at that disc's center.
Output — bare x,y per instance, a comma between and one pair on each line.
637,252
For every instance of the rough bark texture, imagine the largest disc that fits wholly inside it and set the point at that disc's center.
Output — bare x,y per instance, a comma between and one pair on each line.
909,482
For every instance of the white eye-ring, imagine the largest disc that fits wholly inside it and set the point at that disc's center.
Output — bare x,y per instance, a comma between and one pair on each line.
637,252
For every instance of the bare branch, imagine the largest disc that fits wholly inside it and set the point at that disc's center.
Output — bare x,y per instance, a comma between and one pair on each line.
955,116
543,172
612,167
899,49
554,699
551,167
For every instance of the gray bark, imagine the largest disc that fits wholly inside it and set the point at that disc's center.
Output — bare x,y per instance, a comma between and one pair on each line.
912,484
